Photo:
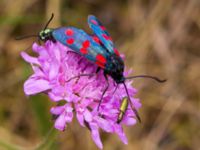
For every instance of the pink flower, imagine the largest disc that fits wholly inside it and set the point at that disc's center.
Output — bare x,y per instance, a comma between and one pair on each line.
54,66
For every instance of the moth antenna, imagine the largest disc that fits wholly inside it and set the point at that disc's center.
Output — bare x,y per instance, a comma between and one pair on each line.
147,76
52,15
25,37
132,107
28,48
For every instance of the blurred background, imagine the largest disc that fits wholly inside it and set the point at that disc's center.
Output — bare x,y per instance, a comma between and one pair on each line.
158,37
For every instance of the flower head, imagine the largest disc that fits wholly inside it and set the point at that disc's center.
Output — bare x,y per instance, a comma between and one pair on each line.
53,68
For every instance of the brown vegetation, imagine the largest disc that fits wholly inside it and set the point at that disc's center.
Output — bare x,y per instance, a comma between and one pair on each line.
158,37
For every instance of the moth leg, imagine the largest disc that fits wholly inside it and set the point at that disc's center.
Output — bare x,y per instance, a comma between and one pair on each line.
115,89
98,69
107,85
81,75
72,52
80,61
39,41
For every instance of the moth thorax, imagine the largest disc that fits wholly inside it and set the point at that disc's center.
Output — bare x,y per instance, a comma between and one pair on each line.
45,34
117,69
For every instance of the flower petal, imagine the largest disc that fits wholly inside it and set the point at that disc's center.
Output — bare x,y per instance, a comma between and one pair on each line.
69,113
95,135
33,86
29,58
129,121
80,119
104,124
87,116
57,110
121,134
136,102
60,123
53,71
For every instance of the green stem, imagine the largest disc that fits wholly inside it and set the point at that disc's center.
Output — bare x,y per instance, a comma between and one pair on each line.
45,144
9,146
48,141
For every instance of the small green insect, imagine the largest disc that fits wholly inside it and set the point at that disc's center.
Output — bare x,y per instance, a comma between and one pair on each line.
122,109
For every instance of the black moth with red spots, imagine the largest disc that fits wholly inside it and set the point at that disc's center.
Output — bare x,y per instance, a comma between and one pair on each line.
97,48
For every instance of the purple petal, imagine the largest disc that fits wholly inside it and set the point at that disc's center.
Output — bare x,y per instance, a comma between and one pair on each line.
121,134
37,70
38,49
57,110
104,124
29,59
87,116
69,117
53,72
60,123
58,93
129,121
69,113
35,47
80,118
95,135
34,86
136,102
73,98
54,97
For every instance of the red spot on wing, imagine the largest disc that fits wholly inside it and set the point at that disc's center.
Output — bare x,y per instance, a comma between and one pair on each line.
86,44
100,64
100,58
96,39
83,50
70,41
106,37
69,32
102,28
94,22
116,52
